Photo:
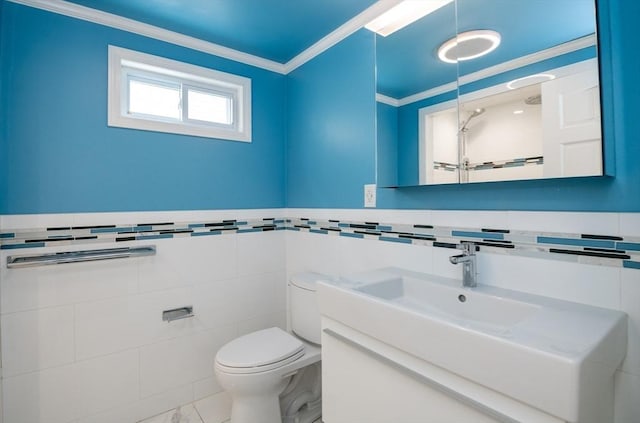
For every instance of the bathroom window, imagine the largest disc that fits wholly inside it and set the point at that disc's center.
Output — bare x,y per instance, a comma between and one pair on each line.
156,94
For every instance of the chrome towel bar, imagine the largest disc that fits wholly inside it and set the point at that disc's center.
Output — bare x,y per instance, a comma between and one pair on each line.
79,256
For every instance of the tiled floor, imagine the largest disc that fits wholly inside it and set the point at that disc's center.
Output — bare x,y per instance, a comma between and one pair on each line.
213,409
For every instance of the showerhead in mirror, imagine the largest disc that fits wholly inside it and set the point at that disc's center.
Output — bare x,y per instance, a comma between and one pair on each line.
475,113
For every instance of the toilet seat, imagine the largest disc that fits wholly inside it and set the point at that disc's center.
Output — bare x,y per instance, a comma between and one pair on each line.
259,351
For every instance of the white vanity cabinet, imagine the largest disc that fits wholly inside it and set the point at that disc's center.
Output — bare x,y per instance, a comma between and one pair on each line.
401,346
365,380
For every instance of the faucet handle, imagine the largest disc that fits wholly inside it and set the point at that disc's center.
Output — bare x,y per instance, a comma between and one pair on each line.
467,247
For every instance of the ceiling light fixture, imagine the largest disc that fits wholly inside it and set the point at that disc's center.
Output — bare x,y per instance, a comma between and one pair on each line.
403,14
469,45
530,80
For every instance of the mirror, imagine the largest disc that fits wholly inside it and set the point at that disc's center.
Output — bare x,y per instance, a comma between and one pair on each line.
527,109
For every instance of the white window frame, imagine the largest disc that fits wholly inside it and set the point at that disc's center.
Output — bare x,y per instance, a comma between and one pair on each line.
125,64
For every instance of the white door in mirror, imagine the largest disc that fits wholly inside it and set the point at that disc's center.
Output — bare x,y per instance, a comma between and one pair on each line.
370,195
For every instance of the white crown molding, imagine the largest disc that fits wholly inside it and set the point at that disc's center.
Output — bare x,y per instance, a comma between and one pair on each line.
114,21
381,98
340,34
568,47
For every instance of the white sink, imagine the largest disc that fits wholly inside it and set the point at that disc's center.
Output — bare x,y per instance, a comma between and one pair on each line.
554,355
449,303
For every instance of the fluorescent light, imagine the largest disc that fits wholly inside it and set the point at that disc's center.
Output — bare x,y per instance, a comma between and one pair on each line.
403,14
530,80
469,45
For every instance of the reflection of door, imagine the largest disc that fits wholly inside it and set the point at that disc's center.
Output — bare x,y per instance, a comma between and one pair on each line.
438,144
571,125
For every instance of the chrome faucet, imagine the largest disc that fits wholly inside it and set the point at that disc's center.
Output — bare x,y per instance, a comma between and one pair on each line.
468,260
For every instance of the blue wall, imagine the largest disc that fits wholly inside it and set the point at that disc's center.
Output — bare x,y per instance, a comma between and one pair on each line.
331,126
621,96
58,155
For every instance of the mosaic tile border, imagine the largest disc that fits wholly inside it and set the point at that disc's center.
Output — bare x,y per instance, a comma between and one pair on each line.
498,164
605,250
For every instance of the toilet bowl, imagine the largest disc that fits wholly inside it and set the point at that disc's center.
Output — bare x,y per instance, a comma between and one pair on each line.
256,368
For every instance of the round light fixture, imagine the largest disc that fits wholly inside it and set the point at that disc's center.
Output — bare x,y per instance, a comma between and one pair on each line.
530,80
469,45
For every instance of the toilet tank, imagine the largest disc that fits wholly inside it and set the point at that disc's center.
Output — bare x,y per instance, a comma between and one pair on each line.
303,305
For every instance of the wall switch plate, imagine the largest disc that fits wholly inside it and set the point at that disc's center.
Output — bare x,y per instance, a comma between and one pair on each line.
370,195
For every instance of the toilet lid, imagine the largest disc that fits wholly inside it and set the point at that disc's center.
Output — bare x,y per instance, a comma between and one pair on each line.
263,348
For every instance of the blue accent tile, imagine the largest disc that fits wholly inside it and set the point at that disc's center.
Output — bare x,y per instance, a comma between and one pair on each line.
385,228
319,231
391,239
7,235
280,228
16,246
350,235
110,230
481,235
142,228
291,228
161,236
205,233
278,221
631,264
576,242
628,246
241,223
196,225
343,225
311,222
242,231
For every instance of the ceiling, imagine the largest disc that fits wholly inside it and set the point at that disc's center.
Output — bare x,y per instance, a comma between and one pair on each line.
407,60
277,30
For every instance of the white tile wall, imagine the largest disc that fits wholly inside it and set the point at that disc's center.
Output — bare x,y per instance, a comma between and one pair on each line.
602,286
85,342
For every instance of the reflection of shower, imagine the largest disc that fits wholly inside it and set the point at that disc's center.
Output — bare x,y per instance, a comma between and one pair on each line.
475,113
463,160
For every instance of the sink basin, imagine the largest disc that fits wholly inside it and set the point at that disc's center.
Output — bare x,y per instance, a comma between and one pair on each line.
448,303
556,356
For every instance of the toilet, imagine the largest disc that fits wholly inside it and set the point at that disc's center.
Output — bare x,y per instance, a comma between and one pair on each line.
255,369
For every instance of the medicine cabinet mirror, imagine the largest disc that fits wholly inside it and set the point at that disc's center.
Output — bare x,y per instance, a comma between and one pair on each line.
490,90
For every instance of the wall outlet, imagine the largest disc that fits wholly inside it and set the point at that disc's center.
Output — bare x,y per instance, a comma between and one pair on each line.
370,195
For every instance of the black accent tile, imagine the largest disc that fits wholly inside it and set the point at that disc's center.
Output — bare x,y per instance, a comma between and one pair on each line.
302,226
268,218
126,238
360,226
60,228
608,237
229,220
368,233
372,223
155,224
414,236
304,218
445,245
494,244
423,226
334,221
604,250
589,253
63,238
269,228
498,231
79,238
263,226
223,223
331,229
497,241
397,233
176,231
94,227
226,228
